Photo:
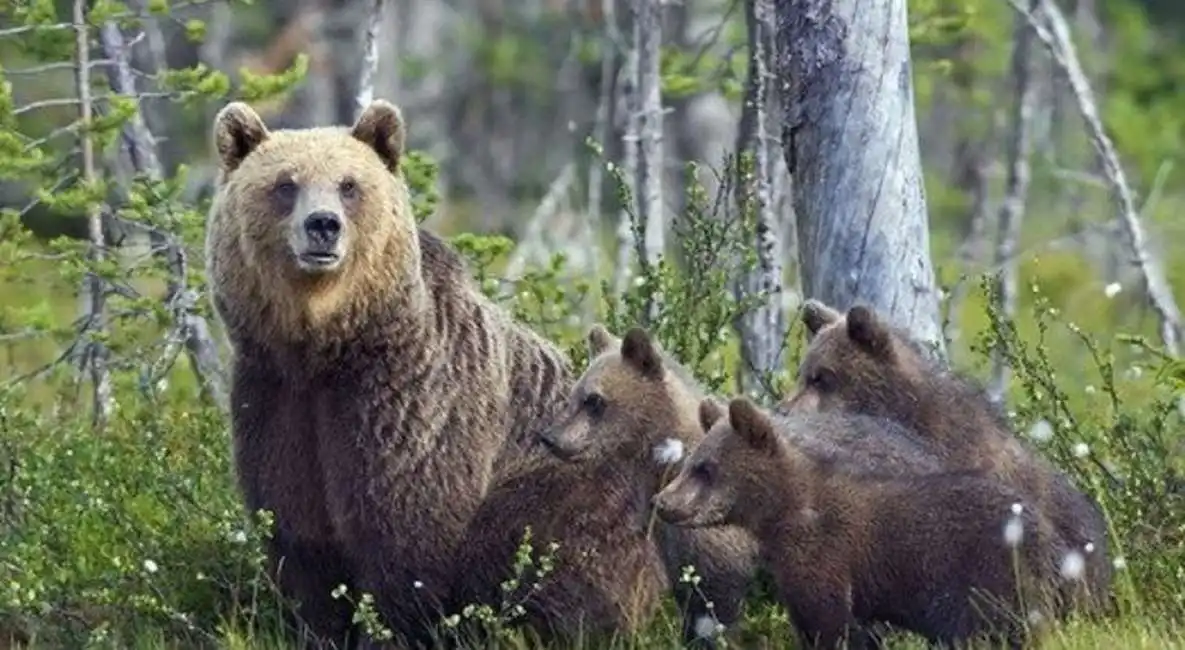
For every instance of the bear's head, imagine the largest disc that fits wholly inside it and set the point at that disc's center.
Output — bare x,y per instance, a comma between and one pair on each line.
633,403
855,362
308,225
723,480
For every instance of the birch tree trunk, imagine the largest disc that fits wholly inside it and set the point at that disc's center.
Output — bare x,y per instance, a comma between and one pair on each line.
850,142
648,36
763,329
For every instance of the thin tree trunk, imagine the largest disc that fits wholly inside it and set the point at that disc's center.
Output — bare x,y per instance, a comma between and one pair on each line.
627,92
139,146
370,58
850,141
94,288
763,329
1016,190
651,221
602,128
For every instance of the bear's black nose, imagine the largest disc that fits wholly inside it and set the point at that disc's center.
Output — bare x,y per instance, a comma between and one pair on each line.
323,228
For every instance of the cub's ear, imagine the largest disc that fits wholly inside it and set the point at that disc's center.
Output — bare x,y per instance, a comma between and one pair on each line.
381,128
816,316
752,424
638,350
867,331
599,340
710,412
238,130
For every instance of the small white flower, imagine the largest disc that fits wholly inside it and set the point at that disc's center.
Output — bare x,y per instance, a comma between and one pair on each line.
238,537
1035,617
417,584
1081,450
1089,548
668,451
1113,289
1119,562
150,566
1134,372
706,627
1090,389
1073,566
1014,531
1017,508
1041,431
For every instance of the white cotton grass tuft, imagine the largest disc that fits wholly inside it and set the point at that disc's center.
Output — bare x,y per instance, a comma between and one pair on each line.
1014,531
668,451
1120,563
1041,431
1073,566
1017,508
1112,290
706,627
1081,450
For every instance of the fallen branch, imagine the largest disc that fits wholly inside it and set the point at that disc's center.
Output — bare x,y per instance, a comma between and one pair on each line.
1056,39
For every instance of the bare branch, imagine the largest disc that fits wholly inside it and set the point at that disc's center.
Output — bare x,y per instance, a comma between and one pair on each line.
370,58
1016,189
1057,40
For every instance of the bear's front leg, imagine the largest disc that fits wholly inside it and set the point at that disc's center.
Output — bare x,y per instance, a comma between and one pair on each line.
823,616
308,572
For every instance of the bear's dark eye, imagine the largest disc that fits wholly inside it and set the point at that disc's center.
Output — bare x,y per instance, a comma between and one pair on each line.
285,189
348,188
821,379
594,404
703,470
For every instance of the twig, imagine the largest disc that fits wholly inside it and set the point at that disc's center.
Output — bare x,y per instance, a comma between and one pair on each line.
1057,40
370,59
74,101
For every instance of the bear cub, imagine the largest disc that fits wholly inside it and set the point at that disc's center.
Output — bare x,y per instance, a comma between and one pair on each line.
936,554
857,363
634,410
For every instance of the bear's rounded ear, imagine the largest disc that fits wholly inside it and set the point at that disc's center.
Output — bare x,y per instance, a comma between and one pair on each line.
238,130
816,316
638,350
600,339
710,412
751,424
381,128
867,331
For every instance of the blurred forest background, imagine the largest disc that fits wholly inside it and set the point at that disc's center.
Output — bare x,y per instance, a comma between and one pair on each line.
517,114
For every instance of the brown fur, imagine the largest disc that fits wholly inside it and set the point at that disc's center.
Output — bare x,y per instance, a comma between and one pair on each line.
857,363
921,553
607,577
372,403
633,397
